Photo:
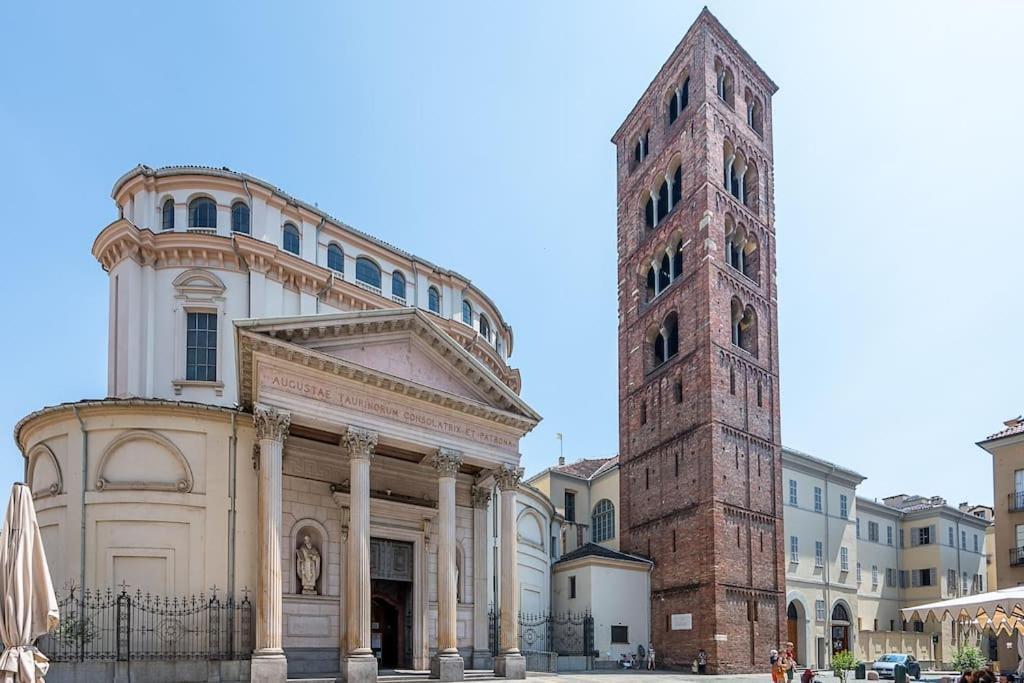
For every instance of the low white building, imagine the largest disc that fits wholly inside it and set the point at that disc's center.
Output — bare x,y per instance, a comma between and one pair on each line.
612,586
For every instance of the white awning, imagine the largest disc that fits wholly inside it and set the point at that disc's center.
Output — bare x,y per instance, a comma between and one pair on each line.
1002,610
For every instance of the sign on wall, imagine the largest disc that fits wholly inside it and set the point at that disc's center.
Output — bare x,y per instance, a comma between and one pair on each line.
682,622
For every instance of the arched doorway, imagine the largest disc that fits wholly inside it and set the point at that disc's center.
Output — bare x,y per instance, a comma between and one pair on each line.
794,624
840,628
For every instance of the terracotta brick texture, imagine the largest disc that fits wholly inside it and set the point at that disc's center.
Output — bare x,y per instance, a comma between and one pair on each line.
701,480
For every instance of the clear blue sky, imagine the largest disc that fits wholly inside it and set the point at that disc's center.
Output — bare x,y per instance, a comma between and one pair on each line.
476,135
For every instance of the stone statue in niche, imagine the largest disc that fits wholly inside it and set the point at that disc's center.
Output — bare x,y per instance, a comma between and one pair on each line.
307,565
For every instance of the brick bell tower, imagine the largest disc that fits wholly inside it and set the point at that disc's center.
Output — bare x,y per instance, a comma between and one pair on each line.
701,478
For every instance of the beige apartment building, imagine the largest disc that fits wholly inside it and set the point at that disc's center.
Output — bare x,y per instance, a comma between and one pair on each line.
1007,449
854,562
586,495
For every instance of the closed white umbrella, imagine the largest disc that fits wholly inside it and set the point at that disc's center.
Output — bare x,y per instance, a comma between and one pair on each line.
28,605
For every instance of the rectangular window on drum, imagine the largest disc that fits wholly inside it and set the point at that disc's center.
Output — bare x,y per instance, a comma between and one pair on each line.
201,347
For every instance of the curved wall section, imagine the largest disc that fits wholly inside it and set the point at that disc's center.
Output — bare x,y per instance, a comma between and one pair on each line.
155,498
179,277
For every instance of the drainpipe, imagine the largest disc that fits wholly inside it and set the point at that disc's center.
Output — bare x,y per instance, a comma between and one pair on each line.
827,562
232,492
316,259
85,475
248,279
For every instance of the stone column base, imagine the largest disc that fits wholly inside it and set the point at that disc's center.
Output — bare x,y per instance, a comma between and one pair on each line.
268,666
510,666
359,669
447,667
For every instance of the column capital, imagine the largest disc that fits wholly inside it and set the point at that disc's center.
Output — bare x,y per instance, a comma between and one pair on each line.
508,477
359,442
481,496
270,422
446,461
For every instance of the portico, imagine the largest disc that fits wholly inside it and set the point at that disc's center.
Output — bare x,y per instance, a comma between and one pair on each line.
377,432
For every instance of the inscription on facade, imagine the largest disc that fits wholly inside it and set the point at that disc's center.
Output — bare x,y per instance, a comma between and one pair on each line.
352,399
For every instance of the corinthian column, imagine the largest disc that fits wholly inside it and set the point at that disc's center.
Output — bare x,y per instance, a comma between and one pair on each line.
447,665
268,661
509,663
358,664
481,648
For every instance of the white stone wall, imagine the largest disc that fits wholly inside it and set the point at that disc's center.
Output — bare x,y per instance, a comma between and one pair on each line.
145,338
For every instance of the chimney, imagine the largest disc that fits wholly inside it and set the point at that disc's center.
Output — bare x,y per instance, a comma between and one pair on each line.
561,460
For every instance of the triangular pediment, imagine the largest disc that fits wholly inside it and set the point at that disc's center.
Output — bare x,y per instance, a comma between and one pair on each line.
403,346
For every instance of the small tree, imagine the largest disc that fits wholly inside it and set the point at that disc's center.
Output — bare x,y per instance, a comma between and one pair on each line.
968,658
843,662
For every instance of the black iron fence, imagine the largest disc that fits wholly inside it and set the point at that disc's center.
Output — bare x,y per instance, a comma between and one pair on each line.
567,634
106,625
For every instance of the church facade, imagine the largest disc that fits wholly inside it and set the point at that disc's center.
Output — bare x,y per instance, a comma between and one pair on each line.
300,411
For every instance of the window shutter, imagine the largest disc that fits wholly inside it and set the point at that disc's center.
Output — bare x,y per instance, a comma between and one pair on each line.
932,538
914,536
915,578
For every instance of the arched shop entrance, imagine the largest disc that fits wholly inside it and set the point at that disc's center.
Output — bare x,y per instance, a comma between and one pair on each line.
840,628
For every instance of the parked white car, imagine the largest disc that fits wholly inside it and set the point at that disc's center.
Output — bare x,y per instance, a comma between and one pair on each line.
886,665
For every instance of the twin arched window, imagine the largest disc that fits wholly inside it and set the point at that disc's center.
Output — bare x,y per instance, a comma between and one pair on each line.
398,285
744,326
467,312
367,272
754,115
724,83
642,148
335,258
167,215
240,218
202,213
291,241
661,274
668,197
434,300
739,176
677,100
665,340
602,521
741,250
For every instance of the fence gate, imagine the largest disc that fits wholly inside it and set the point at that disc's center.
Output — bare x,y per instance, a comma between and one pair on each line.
568,634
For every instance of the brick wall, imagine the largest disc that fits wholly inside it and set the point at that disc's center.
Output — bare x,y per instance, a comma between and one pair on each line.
699,435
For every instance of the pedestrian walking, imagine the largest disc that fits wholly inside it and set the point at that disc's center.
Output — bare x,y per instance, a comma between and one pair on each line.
650,657
702,662
790,662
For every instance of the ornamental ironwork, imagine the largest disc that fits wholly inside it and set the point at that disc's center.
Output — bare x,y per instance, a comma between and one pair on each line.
110,625
569,634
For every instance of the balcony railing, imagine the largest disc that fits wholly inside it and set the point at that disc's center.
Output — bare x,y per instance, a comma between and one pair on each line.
1015,501
1016,557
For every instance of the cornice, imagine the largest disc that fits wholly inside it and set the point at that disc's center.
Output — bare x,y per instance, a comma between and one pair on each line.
637,565
808,464
240,253
148,405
